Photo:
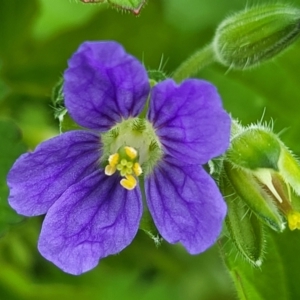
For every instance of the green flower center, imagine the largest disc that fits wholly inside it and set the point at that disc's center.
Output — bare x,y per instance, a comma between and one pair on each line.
131,148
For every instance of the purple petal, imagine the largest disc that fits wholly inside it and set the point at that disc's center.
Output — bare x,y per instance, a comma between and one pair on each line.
104,84
190,120
39,178
186,205
92,219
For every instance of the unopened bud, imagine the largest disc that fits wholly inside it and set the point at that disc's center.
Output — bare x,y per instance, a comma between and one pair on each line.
265,175
255,35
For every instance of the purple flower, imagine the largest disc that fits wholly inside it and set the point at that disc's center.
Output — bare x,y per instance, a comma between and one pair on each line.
86,181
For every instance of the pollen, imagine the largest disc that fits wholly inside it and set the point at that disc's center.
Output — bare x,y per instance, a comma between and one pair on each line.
125,161
131,152
109,170
113,159
294,220
137,169
129,182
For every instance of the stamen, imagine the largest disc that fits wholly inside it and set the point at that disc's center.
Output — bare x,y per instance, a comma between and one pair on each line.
137,169
131,152
129,182
294,220
109,170
113,159
125,161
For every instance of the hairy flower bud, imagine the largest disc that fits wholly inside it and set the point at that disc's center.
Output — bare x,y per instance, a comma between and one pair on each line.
265,175
260,181
255,35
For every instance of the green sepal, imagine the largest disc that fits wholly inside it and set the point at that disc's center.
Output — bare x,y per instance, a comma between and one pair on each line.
255,148
244,228
148,226
248,188
66,123
147,223
156,76
289,169
57,98
255,35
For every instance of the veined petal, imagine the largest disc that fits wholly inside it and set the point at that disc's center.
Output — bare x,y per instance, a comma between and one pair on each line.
92,219
185,204
104,84
38,179
189,120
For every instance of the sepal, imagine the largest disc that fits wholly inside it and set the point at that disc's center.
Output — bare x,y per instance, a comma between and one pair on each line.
66,123
243,227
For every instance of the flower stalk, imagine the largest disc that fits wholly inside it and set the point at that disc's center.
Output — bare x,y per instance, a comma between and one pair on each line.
195,63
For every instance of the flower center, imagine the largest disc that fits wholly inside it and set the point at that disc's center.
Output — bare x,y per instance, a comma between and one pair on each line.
131,148
125,161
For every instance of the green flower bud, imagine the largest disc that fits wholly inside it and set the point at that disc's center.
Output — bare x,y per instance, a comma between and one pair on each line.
265,175
255,35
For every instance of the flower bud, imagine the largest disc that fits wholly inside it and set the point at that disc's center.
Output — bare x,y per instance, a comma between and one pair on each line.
265,175
255,35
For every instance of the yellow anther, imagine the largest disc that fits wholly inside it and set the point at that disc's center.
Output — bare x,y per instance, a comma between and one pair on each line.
129,182
110,170
137,169
126,165
294,220
131,152
113,159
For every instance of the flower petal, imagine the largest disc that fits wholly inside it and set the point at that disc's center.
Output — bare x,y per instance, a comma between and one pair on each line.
190,120
186,205
92,219
104,84
38,179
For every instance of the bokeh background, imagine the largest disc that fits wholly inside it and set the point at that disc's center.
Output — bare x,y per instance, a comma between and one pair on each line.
36,39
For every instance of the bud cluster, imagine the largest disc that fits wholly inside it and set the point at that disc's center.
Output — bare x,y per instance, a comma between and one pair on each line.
260,181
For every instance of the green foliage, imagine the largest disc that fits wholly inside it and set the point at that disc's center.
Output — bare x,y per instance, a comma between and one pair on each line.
11,147
278,277
37,38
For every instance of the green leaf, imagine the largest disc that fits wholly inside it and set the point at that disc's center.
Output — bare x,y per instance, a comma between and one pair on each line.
10,148
278,277
16,22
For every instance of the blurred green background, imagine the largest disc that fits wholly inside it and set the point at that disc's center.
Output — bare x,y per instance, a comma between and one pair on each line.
36,39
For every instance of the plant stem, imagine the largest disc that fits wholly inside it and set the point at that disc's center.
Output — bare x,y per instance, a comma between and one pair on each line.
196,62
